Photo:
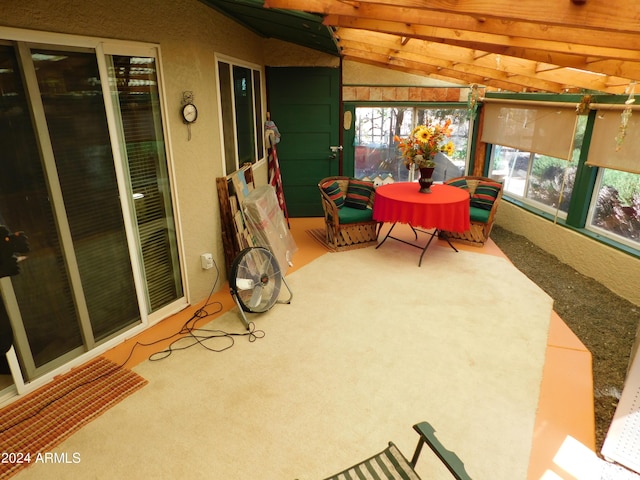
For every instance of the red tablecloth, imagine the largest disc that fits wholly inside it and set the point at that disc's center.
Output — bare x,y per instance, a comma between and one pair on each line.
446,208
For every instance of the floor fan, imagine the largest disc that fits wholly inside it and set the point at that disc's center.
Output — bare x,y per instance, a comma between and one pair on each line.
255,281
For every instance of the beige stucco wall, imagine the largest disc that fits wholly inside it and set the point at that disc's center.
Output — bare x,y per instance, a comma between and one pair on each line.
283,54
618,271
189,34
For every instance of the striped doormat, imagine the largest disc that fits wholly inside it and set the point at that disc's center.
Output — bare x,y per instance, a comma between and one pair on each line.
320,236
37,423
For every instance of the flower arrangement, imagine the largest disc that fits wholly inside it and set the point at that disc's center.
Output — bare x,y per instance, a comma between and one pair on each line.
425,141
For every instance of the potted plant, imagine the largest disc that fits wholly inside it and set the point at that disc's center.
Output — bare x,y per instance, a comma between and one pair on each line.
421,146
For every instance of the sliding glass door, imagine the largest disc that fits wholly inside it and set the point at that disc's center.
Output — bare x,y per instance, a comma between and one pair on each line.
91,193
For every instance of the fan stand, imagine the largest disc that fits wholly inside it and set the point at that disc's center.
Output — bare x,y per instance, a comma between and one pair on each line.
243,316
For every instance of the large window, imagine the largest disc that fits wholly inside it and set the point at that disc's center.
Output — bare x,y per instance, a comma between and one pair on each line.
377,154
615,207
542,181
241,107
523,136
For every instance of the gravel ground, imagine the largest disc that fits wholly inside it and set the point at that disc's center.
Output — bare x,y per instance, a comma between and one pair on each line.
604,322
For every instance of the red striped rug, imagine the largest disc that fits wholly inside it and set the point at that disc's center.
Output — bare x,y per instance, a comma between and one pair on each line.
320,236
41,420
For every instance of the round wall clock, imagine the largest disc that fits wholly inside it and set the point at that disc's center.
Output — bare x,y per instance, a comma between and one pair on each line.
189,113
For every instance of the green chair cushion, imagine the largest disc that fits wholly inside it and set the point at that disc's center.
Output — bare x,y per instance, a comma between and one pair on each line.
479,214
358,194
354,215
332,189
485,194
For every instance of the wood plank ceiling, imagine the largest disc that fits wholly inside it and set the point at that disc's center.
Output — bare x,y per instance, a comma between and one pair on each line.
560,46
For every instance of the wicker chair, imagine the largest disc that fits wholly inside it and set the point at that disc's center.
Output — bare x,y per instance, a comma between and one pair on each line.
348,228
484,204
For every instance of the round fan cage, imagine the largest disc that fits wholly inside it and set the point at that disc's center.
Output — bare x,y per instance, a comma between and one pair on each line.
255,281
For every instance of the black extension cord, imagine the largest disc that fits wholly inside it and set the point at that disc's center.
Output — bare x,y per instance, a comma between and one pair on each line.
189,333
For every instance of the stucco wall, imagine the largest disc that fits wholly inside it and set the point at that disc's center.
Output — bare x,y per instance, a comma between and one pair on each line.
189,34
283,54
618,271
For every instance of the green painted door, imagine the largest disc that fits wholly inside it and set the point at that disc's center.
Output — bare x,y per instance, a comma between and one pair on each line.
305,105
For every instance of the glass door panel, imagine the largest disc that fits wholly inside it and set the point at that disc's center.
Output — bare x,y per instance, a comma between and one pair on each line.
42,289
71,94
139,107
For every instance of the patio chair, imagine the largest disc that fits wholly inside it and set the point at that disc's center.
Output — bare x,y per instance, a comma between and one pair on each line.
485,197
391,464
348,212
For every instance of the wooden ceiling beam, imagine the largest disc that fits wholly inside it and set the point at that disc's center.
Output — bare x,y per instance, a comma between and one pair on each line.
557,45
508,40
500,65
624,70
615,15
612,15
500,44
596,36
419,61
456,77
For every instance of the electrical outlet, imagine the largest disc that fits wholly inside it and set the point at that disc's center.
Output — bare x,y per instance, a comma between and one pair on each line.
206,260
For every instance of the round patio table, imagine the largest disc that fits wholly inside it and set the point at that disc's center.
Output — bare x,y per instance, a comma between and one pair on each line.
445,208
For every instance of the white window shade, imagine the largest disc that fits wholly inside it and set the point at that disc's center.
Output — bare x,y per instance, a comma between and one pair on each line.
602,151
543,129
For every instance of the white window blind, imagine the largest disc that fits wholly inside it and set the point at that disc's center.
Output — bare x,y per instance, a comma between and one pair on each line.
530,127
602,151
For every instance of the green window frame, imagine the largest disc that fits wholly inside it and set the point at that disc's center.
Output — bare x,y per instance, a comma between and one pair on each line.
601,203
